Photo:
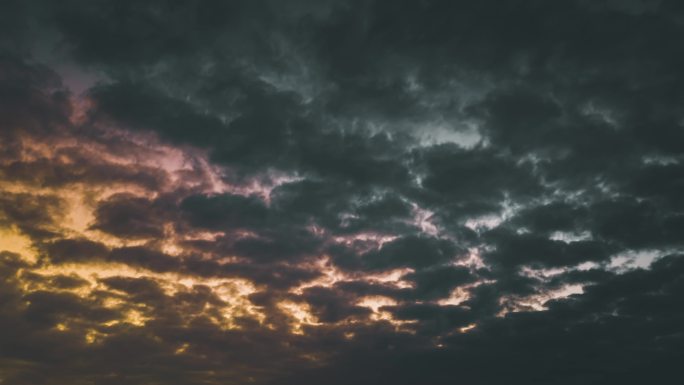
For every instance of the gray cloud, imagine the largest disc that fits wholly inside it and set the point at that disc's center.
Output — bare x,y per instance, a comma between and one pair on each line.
343,192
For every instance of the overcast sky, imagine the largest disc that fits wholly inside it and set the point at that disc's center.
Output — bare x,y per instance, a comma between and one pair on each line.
341,192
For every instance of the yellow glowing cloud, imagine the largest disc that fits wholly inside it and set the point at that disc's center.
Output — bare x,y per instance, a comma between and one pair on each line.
13,241
300,314
72,213
330,275
467,328
375,303
233,292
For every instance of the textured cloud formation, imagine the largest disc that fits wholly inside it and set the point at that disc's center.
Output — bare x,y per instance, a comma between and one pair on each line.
341,192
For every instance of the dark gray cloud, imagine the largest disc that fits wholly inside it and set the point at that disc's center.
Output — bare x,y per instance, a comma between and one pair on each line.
341,192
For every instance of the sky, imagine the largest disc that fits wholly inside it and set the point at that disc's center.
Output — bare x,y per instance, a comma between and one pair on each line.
281,192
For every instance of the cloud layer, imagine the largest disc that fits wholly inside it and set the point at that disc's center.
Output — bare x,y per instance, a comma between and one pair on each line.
364,192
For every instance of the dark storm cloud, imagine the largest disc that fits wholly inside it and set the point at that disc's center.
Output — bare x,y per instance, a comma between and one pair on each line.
271,130
478,178
49,173
276,276
140,256
438,282
342,207
141,289
529,346
501,181
330,306
142,108
554,216
32,98
33,214
411,251
433,319
68,250
518,249
131,217
226,211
